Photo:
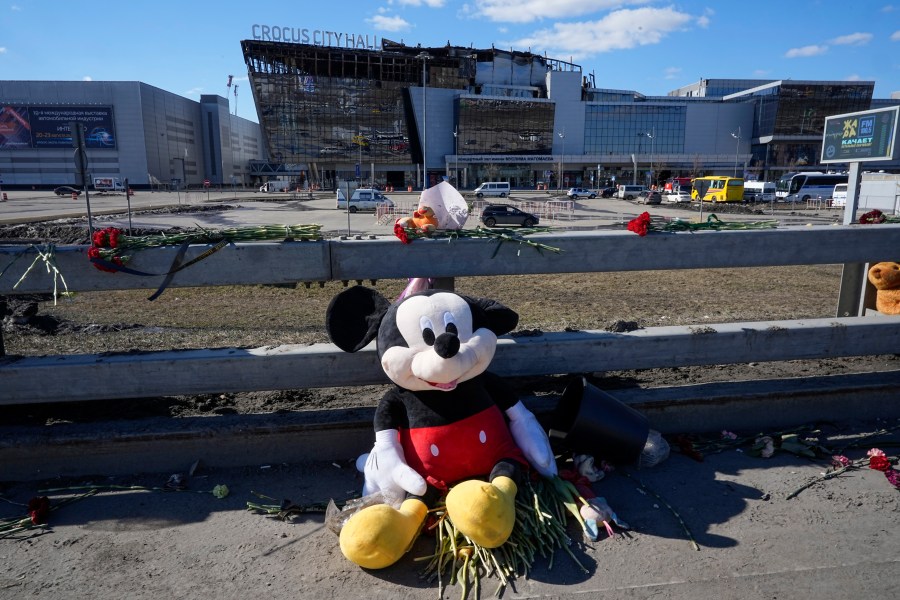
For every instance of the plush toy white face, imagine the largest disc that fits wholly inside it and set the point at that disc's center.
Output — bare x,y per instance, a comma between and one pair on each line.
441,348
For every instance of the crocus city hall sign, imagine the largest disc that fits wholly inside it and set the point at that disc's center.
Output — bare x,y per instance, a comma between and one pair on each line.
316,37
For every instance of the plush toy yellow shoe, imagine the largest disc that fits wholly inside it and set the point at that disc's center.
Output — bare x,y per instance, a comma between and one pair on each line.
485,512
377,536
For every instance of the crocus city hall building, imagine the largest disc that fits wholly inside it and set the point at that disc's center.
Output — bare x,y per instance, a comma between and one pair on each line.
338,107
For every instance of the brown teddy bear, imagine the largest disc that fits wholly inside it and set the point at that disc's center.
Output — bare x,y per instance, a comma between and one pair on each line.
885,276
423,220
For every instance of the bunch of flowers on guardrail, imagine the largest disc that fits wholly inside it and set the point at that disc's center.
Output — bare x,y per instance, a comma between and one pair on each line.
876,216
111,249
644,224
500,236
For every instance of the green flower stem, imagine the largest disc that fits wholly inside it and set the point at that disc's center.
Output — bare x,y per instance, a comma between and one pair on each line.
669,506
856,464
104,488
498,235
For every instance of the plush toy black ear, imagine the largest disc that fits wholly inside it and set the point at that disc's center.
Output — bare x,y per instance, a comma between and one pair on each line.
493,315
353,317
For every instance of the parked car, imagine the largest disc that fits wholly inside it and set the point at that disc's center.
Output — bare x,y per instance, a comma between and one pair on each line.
679,196
649,197
65,190
504,214
608,192
576,193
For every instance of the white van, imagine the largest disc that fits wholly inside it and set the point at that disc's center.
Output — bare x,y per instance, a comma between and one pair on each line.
493,188
839,195
630,192
362,199
759,191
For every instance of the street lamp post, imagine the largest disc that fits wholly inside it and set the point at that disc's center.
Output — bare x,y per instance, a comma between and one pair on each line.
562,136
737,147
652,136
456,157
640,137
424,57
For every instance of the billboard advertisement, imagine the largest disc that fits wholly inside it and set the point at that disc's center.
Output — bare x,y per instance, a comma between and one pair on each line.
15,129
859,137
48,126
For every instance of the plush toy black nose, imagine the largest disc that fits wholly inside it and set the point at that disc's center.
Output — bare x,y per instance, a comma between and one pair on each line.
446,345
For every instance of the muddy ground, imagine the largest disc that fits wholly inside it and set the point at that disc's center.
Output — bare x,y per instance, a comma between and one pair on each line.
253,316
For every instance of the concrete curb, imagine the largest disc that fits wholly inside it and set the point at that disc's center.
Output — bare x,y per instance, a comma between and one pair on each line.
340,435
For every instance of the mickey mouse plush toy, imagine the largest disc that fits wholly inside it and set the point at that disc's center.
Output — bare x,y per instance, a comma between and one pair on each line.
448,422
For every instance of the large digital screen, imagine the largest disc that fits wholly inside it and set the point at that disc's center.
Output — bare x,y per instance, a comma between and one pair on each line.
49,126
860,137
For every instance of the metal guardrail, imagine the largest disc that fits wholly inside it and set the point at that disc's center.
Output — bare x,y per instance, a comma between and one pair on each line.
66,378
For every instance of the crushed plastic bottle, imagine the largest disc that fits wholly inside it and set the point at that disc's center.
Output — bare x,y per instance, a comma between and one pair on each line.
656,450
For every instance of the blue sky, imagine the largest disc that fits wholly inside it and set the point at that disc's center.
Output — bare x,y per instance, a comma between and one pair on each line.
190,48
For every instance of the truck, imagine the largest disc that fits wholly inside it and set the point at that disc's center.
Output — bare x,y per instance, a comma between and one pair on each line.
108,184
879,191
275,185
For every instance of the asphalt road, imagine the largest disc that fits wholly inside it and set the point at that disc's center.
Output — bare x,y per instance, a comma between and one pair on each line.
256,208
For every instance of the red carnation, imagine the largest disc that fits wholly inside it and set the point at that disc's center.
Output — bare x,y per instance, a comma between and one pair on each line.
640,224
893,477
400,232
873,216
879,463
39,509
94,253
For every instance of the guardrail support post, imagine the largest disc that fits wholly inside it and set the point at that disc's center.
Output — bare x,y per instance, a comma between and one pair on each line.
2,314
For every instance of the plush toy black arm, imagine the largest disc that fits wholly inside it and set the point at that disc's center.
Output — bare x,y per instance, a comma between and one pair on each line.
502,393
391,412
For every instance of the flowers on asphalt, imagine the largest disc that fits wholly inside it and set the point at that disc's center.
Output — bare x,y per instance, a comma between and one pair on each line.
39,509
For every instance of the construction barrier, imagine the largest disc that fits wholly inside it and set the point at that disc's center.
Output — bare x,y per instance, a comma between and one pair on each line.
4,196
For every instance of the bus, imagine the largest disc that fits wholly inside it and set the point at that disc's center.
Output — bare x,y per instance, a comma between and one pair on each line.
718,189
800,187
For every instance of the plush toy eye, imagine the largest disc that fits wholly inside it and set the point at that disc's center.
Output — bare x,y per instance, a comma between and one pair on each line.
427,330
450,324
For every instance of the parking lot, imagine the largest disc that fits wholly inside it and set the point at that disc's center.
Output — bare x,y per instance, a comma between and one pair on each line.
163,210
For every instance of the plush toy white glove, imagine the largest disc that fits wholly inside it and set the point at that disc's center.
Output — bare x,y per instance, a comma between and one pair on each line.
531,439
386,470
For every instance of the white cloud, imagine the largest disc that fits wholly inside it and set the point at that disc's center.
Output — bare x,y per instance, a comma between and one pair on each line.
672,72
2,50
194,91
618,30
895,37
806,51
526,11
429,3
15,8
385,23
888,8
853,39
87,78
853,77
761,73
